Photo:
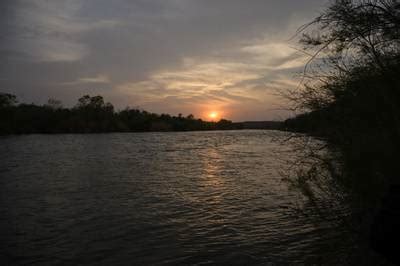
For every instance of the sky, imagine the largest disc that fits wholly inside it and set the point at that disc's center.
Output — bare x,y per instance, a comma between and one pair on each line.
163,56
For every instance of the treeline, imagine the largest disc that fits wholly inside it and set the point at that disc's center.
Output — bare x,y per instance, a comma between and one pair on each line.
351,98
92,115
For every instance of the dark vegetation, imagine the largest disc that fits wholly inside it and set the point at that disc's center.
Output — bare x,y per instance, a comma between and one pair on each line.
93,115
351,98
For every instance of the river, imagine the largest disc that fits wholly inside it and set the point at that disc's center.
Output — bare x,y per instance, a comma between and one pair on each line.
192,198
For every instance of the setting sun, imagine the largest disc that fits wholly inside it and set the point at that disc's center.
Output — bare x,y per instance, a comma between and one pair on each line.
213,115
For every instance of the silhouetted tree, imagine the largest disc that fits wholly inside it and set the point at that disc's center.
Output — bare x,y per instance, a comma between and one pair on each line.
7,100
349,34
351,97
54,104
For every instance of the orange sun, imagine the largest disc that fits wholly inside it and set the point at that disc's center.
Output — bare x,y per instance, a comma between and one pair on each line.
213,115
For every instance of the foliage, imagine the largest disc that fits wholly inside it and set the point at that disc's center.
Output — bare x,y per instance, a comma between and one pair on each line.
7,100
92,115
355,31
350,94
352,99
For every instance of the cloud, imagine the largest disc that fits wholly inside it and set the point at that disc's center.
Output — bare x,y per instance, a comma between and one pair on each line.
207,84
193,78
48,31
164,55
52,50
99,79
276,55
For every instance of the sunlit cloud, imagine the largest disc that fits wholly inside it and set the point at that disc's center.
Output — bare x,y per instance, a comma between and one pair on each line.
252,78
193,79
277,56
203,86
269,50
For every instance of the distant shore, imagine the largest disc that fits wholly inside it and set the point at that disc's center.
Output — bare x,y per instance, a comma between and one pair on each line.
93,115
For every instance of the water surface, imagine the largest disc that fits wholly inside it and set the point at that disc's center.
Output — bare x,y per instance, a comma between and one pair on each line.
154,199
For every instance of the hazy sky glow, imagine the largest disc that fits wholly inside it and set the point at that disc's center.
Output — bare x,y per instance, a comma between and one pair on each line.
164,56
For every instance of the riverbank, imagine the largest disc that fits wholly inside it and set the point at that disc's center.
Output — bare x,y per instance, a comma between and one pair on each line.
94,115
369,168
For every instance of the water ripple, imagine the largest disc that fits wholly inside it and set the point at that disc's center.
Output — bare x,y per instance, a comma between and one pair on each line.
194,198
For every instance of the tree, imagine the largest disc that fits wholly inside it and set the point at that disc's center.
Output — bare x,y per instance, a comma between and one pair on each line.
84,101
95,102
90,102
54,104
350,38
355,31
351,97
7,100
